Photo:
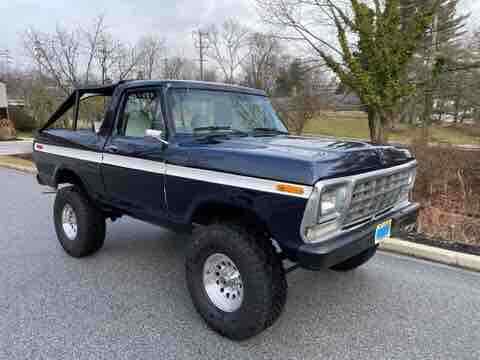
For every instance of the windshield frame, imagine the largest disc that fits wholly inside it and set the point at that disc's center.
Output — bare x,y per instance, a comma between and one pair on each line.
230,132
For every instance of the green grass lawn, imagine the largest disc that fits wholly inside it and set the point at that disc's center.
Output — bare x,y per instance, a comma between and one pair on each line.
24,135
347,124
353,124
16,162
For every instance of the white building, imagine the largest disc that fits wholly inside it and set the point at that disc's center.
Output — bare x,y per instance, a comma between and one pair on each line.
3,96
3,101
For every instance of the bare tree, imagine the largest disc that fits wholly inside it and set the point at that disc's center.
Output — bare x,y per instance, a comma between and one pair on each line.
72,57
67,56
173,68
106,55
178,67
57,54
297,111
127,61
228,47
151,48
210,75
264,52
93,38
117,60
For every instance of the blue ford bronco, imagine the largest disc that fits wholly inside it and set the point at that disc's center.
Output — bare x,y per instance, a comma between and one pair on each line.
217,161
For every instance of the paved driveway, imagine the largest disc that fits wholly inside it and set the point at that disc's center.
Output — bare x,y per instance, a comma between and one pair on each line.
15,147
130,300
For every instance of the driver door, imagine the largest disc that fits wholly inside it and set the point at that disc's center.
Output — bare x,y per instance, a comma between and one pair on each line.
133,164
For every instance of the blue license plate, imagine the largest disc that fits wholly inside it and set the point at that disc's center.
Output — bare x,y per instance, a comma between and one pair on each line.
383,231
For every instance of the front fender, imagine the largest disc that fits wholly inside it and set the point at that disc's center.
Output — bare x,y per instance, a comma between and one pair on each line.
282,214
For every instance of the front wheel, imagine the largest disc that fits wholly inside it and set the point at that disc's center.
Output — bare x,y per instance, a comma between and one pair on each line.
236,280
356,261
79,225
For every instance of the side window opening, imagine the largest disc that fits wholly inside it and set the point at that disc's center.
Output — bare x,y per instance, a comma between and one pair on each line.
92,112
84,110
141,112
66,121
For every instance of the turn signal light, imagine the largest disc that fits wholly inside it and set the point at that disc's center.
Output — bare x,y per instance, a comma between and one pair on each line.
291,189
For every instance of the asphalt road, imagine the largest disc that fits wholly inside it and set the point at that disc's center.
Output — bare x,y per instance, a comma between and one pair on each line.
130,300
15,147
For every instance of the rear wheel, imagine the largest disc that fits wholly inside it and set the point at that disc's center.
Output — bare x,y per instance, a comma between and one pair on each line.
356,261
235,279
80,226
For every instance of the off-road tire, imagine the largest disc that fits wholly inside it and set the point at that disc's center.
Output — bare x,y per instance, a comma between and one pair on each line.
90,223
265,286
356,261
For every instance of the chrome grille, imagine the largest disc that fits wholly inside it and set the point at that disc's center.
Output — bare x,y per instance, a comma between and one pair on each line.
372,196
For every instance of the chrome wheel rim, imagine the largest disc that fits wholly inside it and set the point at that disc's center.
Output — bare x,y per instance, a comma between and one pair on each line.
223,283
69,222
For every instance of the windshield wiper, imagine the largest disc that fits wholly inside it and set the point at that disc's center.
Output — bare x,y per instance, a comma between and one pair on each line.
212,128
270,130
222,131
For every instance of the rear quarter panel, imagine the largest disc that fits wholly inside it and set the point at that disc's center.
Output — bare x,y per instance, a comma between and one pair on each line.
50,144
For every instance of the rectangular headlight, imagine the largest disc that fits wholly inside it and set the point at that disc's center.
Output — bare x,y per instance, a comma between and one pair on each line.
332,202
323,210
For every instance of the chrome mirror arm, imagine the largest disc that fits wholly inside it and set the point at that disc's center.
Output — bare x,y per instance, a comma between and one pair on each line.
156,134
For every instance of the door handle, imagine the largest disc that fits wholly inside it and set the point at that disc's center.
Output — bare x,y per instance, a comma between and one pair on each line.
112,148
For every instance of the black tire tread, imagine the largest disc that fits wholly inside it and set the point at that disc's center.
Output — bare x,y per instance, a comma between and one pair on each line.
92,235
262,260
279,283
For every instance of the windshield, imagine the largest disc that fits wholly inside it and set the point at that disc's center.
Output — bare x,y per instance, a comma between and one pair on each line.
204,111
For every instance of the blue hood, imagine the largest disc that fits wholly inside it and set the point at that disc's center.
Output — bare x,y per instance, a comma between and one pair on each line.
301,160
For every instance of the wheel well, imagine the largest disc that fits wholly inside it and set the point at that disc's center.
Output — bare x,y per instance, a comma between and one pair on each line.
212,212
65,176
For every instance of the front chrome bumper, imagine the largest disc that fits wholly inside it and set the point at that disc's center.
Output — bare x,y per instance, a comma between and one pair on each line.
334,226
348,243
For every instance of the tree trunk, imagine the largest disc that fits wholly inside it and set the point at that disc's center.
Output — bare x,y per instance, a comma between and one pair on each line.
412,113
379,136
427,115
380,125
456,110
385,126
372,124
386,123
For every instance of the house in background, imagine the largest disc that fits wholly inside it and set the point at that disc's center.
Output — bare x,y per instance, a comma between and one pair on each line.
7,129
3,101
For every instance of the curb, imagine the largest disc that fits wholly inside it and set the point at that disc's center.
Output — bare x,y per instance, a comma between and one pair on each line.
22,168
17,140
442,256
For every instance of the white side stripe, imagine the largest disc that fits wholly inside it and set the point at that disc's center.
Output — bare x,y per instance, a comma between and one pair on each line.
215,177
69,152
134,163
240,181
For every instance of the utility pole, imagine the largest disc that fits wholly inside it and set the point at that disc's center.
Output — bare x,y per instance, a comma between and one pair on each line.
432,80
201,38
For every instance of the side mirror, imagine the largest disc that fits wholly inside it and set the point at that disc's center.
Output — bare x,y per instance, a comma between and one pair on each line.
156,134
96,126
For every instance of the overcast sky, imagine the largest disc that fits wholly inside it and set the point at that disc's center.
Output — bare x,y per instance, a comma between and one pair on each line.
172,19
